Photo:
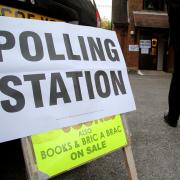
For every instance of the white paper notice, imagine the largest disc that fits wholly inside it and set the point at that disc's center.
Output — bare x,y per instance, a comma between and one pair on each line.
54,75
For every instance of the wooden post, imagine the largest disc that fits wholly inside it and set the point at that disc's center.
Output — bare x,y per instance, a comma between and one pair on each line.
29,159
32,171
128,153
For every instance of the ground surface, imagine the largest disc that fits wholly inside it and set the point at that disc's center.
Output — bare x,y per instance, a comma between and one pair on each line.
156,147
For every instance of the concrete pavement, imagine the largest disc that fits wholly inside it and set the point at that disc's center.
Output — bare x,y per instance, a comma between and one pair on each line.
156,147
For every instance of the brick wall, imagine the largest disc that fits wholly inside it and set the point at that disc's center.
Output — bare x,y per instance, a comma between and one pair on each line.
132,58
131,34
124,35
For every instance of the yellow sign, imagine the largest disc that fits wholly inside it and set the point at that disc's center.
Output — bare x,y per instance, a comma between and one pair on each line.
63,149
19,13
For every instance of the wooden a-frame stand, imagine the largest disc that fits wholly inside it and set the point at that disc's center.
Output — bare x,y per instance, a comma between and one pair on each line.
34,174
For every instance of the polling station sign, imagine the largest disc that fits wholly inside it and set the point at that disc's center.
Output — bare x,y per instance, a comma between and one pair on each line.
77,145
54,75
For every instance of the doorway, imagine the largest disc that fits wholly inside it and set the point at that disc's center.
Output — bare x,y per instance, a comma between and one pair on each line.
153,49
148,53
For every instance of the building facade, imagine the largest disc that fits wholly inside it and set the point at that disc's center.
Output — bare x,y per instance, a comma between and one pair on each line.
143,31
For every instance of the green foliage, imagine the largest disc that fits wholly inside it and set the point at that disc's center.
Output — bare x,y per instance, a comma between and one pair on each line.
105,23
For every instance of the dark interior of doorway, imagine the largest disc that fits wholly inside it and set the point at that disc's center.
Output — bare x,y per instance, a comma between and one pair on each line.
148,60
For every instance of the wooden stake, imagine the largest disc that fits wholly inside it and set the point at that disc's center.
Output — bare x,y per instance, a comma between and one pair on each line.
128,153
29,159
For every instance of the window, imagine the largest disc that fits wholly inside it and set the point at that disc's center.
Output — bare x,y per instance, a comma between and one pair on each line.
158,5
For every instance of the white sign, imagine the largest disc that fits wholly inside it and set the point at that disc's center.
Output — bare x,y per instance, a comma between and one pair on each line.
54,75
134,47
144,50
145,43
